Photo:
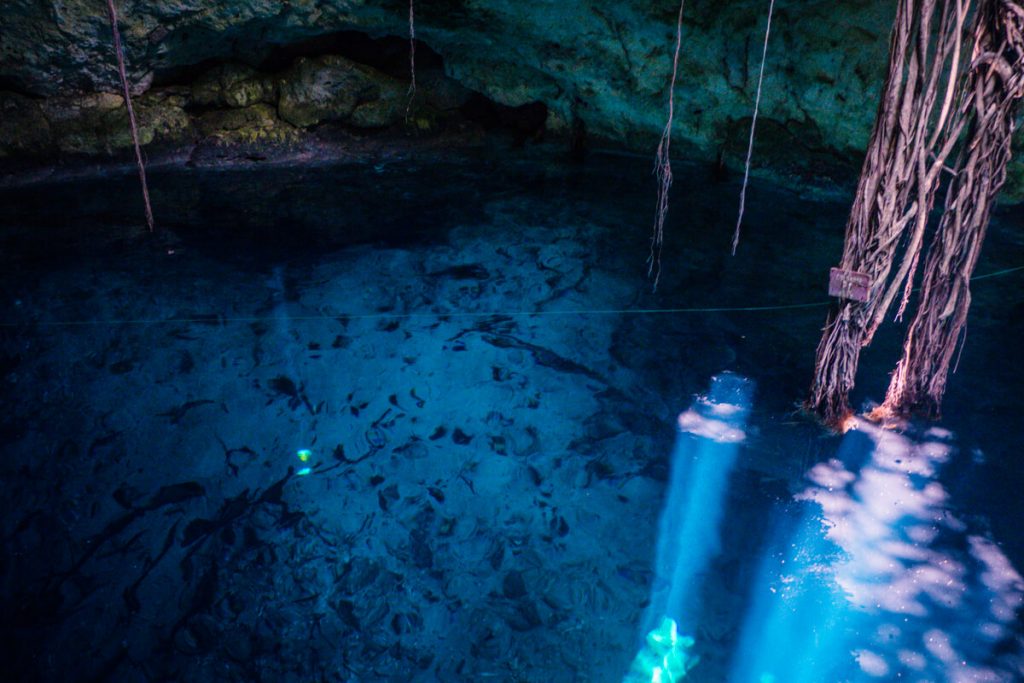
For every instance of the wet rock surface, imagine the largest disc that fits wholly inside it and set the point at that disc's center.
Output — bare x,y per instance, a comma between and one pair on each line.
233,108
593,68
337,89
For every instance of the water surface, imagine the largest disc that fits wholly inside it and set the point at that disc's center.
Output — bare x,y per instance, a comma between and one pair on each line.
487,388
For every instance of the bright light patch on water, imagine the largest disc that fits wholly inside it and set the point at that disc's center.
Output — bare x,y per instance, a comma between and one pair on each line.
880,580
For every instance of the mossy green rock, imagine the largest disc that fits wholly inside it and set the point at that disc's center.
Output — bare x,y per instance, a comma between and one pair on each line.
163,117
252,125
98,123
332,88
90,124
233,85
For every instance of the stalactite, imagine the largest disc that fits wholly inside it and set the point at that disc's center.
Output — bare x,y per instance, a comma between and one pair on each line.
912,138
112,11
993,91
663,163
753,126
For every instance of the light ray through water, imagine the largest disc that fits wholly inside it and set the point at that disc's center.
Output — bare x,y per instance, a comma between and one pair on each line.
709,440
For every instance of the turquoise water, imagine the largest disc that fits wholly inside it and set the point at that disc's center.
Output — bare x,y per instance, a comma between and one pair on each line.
488,391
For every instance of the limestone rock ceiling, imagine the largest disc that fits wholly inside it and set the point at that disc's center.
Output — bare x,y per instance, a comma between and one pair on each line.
604,62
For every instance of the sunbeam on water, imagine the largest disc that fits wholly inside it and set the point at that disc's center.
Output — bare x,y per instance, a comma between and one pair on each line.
710,435
880,581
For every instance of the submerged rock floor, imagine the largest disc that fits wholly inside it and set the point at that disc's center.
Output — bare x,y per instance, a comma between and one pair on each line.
488,409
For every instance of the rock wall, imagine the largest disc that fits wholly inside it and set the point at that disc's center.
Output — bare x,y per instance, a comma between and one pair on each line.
603,65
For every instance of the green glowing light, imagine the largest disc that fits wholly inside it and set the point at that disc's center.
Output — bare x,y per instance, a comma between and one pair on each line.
304,471
664,658
304,455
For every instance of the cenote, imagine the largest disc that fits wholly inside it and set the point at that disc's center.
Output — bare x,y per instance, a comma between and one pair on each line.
487,388
395,398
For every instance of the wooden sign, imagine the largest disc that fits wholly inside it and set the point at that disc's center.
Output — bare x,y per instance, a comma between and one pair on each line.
849,284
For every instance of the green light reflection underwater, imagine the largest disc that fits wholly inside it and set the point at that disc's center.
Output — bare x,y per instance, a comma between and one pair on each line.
283,327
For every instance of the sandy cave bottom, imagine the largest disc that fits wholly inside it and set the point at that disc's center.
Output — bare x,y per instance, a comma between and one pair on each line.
397,422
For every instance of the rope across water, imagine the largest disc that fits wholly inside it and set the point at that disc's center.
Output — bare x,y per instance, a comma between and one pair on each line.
461,314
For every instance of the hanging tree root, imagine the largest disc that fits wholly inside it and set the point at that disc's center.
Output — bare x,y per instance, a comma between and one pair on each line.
753,126
112,11
914,134
993,91
663,163
412,59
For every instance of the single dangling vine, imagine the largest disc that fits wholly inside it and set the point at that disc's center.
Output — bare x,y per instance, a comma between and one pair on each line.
753,125
663,163
112,11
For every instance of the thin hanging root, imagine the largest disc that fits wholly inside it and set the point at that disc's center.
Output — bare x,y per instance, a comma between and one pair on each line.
663,171
663,163
131,112
412,58
753,125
